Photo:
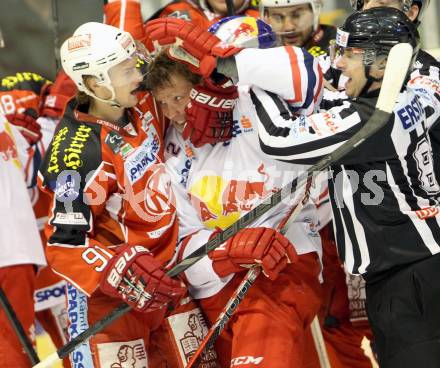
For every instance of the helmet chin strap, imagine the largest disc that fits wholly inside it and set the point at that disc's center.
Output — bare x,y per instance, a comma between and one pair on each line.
111,101
370,80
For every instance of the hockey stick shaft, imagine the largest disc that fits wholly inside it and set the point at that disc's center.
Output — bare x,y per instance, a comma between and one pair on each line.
230,7
318,339
395,72
18,328
225,315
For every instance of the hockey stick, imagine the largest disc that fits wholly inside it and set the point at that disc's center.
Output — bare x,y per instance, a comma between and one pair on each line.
318,339
56,30
230,7
18,328
395,72
242,289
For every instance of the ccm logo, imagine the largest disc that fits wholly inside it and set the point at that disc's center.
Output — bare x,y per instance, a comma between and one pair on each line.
212,101
115,276
246,360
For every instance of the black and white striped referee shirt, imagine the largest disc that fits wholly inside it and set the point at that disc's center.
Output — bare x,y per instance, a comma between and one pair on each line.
384,193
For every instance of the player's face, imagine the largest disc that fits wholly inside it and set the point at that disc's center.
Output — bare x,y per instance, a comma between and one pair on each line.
352,66
126,78
293,23
220,7
173,98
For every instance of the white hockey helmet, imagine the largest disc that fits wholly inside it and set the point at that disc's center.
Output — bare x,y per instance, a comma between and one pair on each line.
316,6
92,50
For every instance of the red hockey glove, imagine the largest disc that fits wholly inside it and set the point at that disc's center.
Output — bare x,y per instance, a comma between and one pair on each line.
209,114
58,95
252,246
191,44
135,276
27,124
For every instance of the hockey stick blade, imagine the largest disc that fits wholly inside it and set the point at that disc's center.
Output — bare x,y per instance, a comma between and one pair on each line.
225,315
396,70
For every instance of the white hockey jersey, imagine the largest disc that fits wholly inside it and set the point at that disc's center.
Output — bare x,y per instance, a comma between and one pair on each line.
19,238
215,185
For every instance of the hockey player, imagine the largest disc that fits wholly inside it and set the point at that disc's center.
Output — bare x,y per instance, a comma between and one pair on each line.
201,12
217,184
205,12
392,245
21,250
296,22
112,224
24,96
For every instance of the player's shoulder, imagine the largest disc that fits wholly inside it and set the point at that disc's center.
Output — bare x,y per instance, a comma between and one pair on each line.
28,81
186,10
75,146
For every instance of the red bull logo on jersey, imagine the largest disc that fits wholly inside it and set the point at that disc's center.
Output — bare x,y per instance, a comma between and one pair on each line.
221,202
8,151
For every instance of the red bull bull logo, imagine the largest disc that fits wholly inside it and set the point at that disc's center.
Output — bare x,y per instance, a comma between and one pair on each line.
221,202
8,150
244,29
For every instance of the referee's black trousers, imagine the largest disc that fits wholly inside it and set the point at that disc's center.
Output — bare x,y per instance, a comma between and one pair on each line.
404,313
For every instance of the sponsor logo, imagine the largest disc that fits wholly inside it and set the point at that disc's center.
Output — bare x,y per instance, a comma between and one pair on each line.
147,118
52,292
189,329
329,121
246,360
71,218
246,122
11,81
126,41
316,51
141,159
342,38
427,212
423,80
55,150
7,146
213,101
72,157
356,297
77,315
410,115
130,354
115,276
179,14
114,141
67,189
80,66
77,42
220,202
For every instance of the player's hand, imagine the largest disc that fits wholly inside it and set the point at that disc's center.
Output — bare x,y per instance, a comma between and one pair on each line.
26,123
135,276
58,95
189,43
250,246
209,113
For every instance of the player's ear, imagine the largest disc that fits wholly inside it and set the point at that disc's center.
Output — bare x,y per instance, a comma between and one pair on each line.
378,69
413,12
